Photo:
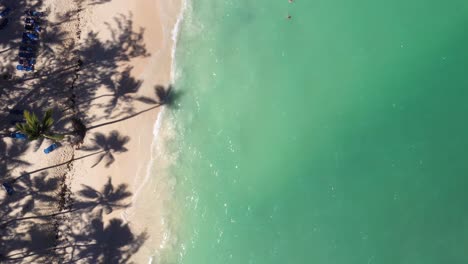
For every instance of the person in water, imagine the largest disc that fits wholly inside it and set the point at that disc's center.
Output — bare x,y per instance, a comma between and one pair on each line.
289,17
290,1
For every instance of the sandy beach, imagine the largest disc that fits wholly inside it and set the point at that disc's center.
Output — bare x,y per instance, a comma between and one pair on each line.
98,62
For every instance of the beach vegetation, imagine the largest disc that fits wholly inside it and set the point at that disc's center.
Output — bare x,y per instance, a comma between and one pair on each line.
35,128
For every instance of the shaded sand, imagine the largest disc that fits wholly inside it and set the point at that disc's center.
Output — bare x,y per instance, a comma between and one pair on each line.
99,62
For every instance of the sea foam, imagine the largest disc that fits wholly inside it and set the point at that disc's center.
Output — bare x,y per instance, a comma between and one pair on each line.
158,123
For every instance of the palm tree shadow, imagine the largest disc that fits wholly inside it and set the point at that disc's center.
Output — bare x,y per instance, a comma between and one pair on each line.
121,94
111,243
110,145
94,241
11,156
37,189
109,198
164,96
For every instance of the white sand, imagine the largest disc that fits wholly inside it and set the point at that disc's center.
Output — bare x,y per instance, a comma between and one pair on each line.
104,34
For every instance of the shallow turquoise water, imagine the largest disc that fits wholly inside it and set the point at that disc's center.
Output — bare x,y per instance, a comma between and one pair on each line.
339,136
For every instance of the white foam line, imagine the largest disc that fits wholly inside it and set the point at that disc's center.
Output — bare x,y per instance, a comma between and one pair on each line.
156,129
157,124
175,38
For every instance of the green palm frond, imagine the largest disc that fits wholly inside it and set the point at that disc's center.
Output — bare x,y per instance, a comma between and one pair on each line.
31,119
47,120
32,133
56,137
35,129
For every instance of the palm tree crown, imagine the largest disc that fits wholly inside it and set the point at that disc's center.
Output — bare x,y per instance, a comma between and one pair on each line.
35,129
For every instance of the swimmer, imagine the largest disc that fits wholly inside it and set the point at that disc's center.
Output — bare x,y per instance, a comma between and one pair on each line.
289,17
290,1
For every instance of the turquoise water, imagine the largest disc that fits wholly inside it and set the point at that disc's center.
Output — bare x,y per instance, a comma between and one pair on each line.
339,136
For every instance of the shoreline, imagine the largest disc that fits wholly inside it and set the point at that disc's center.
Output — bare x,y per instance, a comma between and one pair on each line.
155,69
158,141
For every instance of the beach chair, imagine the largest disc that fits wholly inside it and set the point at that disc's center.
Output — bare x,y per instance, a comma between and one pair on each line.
18,135
32,27
27,40
31,36
27,61
5,12
28,27
31,21
21,67
28,48
34,13
8,188
51,148
26,55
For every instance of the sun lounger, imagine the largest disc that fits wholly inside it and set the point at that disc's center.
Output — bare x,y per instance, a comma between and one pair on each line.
27,48
8,188
31,36
27,40
32,27
5,12
34,13
25,68
18,135
50,148
27,55
31,21
27,61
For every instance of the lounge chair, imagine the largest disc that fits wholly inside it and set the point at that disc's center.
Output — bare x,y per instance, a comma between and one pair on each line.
5,12
31,36
27,61
32,27
27,48
27,40
27,55
51,148
31,21
18,135
34,13
25,68
8,188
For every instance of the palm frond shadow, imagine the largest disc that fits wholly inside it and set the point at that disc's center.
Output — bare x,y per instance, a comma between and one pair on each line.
109,198
167,96
94,242
108,145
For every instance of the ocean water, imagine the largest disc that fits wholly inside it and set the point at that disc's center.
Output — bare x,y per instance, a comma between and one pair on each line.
338,136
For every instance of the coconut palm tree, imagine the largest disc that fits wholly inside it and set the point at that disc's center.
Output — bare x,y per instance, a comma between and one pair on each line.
35,129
